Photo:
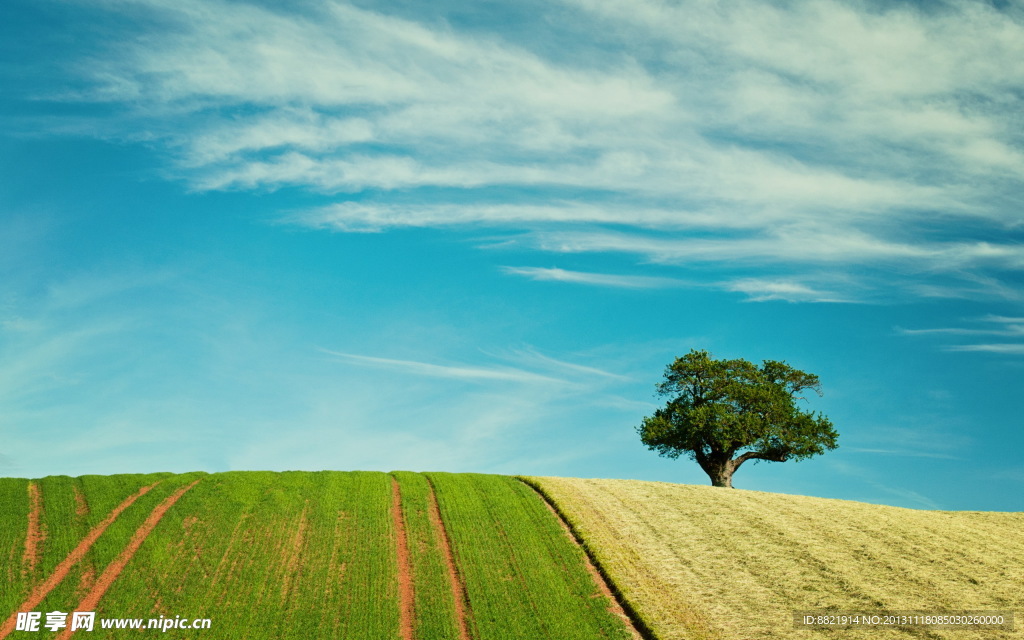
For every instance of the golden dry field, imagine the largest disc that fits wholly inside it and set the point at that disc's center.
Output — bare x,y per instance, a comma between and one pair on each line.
701,563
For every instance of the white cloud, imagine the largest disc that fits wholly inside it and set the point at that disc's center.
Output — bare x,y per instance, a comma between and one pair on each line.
814,134
1014,327
460,372
1006,320
904,453
1006,348
1005,326
763,289
598,279
794,244
756,289
534,358
376,216
842,72
961,331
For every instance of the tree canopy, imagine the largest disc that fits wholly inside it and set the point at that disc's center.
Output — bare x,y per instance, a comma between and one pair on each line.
722,413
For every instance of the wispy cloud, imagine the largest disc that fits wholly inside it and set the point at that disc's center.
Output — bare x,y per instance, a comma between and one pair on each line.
1007,348
756,289
460,372
762,289
868,478
533,358
809,245
992,325
1015,474
598,279
956,331
825,136
909,453
1006,320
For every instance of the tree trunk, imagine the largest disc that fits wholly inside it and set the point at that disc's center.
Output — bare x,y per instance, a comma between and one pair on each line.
722,477
720,471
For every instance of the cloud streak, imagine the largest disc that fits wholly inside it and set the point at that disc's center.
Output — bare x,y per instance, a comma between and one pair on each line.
596,279
1005,348
905,453
458,372
1004,326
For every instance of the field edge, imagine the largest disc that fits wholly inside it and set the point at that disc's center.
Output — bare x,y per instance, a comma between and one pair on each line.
635,619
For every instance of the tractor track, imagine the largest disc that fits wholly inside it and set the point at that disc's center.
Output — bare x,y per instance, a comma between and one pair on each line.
458,588
35,534
114,569
406,595
73,558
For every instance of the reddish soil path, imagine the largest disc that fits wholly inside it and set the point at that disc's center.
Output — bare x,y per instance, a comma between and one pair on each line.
34,536
81,504
114,569
76,555
405,592
614,606
458,588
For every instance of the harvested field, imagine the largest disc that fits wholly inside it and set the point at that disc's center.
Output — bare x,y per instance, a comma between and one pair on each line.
702,562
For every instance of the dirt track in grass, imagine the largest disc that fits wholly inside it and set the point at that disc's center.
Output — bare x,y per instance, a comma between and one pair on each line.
405,593
73,558
35,535
81,504
458,589
114,569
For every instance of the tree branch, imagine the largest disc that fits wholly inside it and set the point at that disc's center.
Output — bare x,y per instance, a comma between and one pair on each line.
758,455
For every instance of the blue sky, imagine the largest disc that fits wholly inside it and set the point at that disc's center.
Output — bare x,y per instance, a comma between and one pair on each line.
469,237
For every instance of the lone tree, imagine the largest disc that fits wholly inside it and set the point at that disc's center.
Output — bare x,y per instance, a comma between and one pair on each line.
722,413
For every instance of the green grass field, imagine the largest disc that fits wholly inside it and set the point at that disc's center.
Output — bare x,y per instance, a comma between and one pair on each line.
299,555
68,508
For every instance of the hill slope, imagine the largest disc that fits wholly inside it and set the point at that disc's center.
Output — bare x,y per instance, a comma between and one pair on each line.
411,556
701,562
360,555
